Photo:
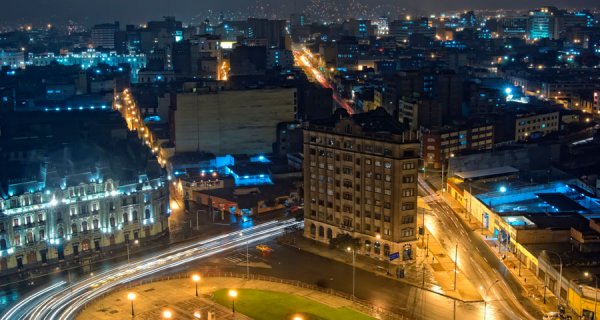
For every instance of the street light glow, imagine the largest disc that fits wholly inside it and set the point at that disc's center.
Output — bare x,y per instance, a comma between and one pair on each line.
131,296
167,314
233,293
196,278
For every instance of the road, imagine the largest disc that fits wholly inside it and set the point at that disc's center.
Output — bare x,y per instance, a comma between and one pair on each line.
505,299
303,59
62,301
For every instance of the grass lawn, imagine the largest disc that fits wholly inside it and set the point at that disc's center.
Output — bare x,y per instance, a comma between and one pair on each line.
271,305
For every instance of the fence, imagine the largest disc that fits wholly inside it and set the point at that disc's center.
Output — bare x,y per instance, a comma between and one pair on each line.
358,304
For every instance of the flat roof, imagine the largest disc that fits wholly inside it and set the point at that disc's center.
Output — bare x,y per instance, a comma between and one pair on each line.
486,172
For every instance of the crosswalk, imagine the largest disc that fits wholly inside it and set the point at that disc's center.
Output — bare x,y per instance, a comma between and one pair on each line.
237,258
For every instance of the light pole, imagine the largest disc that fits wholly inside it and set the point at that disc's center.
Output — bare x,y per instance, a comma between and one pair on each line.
559,277
353,268
455,264
196,279
247,259
129,245
233,294
587,274
427,246
485,298
131,297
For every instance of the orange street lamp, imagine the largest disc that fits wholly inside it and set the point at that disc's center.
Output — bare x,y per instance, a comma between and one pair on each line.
167,314
131,297
196,279
233,294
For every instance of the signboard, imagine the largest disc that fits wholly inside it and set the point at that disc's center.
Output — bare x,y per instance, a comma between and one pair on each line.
394,256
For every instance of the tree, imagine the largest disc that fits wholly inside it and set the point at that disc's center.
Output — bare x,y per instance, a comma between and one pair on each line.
343,241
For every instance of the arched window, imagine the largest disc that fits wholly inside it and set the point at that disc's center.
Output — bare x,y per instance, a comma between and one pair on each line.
134,216
2,244
313,229
60,232
42,234
84,226
29,237
377,247
125,217
386,250
112,222
321,232
329,234
17,240
147,214
74,228
96,224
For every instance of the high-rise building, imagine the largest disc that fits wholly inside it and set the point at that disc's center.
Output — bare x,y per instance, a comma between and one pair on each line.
403,29
542,23
360,178
103,35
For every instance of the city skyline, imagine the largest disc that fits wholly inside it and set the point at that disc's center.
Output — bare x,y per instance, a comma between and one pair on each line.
138,11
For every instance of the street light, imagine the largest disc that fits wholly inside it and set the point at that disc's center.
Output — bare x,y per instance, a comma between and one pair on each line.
167,314
485,298
298,318
131,297
136,241
349,249
233,294
247,258
196,279
587,274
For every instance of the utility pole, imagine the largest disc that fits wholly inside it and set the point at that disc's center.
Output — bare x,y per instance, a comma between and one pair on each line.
427,246
455,265
443,186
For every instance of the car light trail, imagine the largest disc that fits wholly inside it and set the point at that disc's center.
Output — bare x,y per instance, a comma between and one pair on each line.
65,303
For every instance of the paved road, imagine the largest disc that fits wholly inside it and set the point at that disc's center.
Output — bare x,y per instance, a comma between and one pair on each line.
505,299
61,301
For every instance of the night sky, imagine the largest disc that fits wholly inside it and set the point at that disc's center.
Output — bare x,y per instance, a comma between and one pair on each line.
136,11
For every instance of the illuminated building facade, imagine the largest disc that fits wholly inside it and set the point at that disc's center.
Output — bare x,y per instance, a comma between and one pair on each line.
52,225
360,178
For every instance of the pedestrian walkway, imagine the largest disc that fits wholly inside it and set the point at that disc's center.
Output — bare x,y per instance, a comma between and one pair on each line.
531,284
179,297
431,270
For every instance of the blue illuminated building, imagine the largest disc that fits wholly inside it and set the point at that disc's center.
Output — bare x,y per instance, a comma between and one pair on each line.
250,174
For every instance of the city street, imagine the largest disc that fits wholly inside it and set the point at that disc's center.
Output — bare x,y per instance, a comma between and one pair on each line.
505,297
62,300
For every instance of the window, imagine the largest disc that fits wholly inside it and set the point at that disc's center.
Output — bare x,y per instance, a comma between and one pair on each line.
40,217
386,218
42,234
408,179
408,219
15,222
408,232
368,161
387,205
408,206
347,157
347,170
112,222
408,165
387,165
96,224
377,163
409,192
147,214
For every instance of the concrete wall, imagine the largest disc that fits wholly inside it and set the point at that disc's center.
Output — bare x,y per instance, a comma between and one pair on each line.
232,122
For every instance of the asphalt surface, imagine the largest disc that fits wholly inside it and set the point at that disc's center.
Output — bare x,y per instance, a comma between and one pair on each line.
505,298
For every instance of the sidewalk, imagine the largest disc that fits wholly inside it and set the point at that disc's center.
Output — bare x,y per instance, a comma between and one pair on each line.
178,296
432,270
531,284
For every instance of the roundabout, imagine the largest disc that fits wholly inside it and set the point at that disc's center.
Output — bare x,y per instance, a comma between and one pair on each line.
228,296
